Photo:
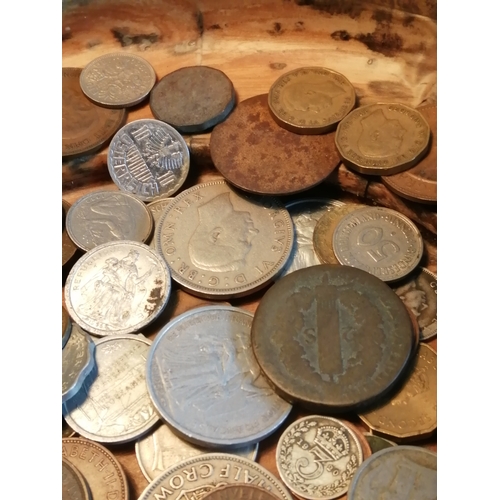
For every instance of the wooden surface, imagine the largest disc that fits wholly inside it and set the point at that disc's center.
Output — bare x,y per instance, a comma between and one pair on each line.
388,55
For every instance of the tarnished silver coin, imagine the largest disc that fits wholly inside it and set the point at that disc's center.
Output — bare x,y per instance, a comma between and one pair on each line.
222,244
105,216
117,288
317,457
195,477
116,408
157,209
380,241
396,473
162,449
205,382
117,80
78,360
74,485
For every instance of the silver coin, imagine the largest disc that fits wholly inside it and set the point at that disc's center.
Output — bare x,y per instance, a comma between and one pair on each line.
78,360
117,288
205,382
195,477
116,407
163,449
105,216
74,485
157,209
396,473
149,159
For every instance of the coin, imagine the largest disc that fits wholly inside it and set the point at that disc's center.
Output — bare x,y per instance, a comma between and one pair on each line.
149,159
157,209
163,449
68,247
66,327
205,383
383,138
378,443
396,473
117,288
311,100
117,407
222,244
317,457
193,99
99,467
257,155
117,80
411,413
74,486
240,492
331,337
419,183
195,477
380,241
104,216
85,126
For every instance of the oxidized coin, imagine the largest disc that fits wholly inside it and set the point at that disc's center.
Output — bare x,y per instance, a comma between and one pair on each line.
163,449
257,155
99,467
380,241
411,413
68,247
85,126
118,287
378,443
193,99
311,100
331,337
317,457
204,380
222,244
117,407
105,216
157,209
74,486
118,80
419,293
66,326
419,183
396,473
382,139
240,492
149,159
195,477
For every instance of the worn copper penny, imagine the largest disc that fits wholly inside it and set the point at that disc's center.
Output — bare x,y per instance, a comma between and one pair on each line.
332,337
255,154
240,492
68,247
85,126
419,183
193,99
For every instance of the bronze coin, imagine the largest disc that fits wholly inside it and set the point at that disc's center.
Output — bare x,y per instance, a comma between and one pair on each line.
419,183
240,492
332,338
193,99
85,126
68,247
257,155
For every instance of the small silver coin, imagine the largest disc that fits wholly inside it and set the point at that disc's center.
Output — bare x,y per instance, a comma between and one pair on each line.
149,159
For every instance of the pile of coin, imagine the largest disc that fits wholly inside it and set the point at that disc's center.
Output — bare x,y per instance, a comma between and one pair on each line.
345,304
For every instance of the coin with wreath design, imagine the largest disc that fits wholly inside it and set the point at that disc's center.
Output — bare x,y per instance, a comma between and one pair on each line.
317,457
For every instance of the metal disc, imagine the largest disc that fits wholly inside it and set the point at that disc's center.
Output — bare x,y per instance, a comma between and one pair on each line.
74,486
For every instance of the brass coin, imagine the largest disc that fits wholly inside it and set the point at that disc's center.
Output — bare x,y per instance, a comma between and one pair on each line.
85,126
311,100
382,139
240,492
193,99
378,443
68,247
331,337
74,486
419,183
257,155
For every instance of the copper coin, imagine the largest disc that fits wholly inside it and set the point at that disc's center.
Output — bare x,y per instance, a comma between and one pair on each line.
240,492
68,247
85,126
419,183
332,337
193,99
257,155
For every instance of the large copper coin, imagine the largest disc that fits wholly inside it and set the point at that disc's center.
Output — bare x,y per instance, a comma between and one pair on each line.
331,337
240,492
68,247
85,126
255,154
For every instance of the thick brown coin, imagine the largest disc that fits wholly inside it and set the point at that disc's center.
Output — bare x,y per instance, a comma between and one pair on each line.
382,139
311,100
240,492
68,247
85,126
331,337
257,155
74,486
193,99
102,471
